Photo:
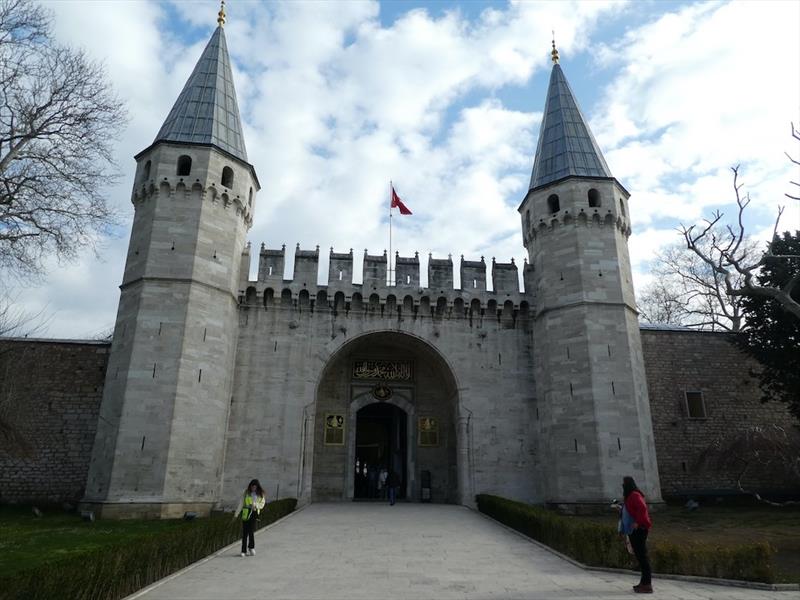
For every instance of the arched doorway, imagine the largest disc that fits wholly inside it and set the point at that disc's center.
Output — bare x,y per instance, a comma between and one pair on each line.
381,445
387,398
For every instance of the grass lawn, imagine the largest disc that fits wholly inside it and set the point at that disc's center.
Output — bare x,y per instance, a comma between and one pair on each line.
731,525
27,541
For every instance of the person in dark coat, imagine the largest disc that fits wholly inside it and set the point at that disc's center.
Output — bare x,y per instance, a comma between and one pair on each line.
393,482
636,509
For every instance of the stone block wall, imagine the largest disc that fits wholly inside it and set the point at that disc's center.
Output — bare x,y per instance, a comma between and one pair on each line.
706,455
50,393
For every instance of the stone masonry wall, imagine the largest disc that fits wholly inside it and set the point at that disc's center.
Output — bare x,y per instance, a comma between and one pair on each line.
688,461
50,393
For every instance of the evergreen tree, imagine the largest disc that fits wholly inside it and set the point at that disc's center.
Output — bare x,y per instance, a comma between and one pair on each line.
772,335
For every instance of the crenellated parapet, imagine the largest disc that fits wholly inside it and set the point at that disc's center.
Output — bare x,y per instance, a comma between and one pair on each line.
170,188
376,296
591,218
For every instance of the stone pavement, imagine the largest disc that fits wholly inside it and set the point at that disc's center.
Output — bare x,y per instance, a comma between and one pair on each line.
414,551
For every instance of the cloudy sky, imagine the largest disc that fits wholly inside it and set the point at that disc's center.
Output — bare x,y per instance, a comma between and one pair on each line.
445,99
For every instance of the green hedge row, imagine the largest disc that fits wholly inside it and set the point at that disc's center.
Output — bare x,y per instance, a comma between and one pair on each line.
599,545
116,571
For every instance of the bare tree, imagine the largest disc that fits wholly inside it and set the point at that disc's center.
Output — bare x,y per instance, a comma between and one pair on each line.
688,292
661,302
725,251
755,453
58,120
16,321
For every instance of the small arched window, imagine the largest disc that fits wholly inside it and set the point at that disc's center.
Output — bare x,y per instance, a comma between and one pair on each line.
553,205
250,199
527,220
146,172
227,177
594,198
184,165
622,207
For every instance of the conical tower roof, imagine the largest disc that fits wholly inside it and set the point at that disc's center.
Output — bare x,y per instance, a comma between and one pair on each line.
206,112
566,145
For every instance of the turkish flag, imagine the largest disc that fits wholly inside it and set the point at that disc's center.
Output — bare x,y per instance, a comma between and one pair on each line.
397,203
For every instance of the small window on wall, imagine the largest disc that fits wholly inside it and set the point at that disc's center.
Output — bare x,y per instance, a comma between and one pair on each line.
594,198
695,405
553,205
227,177
334,430
428,428
184,165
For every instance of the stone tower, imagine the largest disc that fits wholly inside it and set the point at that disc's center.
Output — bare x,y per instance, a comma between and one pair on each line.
593,410
161,434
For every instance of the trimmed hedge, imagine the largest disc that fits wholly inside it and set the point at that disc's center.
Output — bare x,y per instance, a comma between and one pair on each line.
599,545
117,571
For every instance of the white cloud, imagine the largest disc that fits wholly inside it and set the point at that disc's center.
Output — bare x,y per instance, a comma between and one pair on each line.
698,91
334,104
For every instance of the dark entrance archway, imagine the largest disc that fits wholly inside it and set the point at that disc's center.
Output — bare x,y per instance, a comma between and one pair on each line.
381,443
379,381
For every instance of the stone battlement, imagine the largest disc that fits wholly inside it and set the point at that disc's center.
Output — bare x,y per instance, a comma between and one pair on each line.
440,295
565,218
169,188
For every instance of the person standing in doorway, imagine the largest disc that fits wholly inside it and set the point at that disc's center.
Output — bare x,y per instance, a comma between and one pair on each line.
250,507
637,527
392,482
382,479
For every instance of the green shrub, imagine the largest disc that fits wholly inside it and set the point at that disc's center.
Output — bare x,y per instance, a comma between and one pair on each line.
119,570
599,545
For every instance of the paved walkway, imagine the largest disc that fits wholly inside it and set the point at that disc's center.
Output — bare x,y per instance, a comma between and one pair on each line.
413,551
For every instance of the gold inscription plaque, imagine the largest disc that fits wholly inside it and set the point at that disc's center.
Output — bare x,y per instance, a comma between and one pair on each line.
428,431
334,430
387,370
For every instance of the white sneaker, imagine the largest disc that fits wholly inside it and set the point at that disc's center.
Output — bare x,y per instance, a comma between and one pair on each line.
252,552
243,554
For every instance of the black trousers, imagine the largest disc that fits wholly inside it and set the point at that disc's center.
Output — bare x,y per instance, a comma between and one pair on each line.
248,533
639,544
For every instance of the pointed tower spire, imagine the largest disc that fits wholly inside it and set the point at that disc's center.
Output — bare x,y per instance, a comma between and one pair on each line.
206,112
566,145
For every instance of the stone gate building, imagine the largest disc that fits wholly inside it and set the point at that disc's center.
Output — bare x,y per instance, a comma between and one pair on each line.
212,379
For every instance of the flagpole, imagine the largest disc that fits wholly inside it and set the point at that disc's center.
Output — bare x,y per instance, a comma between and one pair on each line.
390,232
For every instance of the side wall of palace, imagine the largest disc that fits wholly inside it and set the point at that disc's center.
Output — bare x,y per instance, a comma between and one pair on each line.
50,393
706,455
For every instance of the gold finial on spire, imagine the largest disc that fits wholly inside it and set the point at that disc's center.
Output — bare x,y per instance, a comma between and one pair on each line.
554,53
221,14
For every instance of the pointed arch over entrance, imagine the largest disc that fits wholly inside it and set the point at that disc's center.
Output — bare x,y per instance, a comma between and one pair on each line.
390,398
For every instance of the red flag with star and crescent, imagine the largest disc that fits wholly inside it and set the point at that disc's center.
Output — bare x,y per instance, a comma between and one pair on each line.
397,203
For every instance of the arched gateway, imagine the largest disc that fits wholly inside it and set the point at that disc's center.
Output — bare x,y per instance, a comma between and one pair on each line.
386,400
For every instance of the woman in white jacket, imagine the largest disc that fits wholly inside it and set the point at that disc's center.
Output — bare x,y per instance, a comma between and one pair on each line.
250,507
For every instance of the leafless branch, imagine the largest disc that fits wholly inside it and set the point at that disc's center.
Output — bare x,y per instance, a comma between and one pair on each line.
737,267
58,121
